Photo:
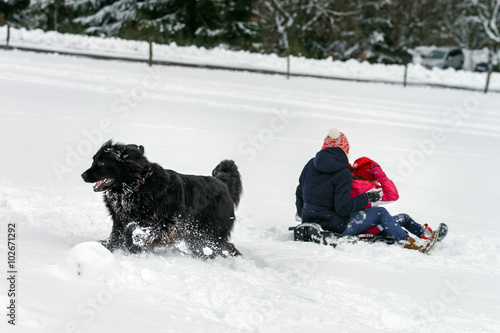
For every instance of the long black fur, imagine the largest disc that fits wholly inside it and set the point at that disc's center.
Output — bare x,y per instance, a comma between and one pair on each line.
154,207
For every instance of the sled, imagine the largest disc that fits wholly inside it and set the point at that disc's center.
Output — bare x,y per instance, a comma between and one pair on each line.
312,232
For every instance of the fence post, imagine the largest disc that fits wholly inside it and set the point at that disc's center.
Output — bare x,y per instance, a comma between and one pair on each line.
403,57
488,80
490,66
288,65
150,52
406,74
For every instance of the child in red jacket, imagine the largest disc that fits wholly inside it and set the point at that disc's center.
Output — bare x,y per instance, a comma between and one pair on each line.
368,175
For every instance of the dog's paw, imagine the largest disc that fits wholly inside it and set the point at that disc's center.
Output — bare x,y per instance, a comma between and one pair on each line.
137,238
134,249
110,245
129,230
114,242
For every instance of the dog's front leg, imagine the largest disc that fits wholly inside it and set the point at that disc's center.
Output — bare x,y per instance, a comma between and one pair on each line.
131,241
145,238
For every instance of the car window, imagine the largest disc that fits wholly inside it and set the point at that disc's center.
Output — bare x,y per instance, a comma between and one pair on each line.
436,54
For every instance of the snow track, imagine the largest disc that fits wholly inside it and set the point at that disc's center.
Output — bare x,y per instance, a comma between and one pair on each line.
52,108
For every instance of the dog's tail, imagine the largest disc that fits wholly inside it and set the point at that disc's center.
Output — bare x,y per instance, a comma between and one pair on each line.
228,173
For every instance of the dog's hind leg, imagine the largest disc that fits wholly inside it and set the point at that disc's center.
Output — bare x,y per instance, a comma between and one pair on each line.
203,247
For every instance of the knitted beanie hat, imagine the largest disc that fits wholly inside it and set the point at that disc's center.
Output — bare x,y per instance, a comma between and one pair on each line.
335,138
360,166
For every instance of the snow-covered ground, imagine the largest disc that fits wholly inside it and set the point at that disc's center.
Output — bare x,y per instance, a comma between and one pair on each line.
351,69
440,146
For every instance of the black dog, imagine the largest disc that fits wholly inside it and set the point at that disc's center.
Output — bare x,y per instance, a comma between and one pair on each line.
153,207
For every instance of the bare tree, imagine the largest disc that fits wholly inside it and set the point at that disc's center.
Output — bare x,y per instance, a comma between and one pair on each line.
462,24
489,16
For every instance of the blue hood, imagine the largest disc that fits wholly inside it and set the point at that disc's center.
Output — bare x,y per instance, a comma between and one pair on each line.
331,160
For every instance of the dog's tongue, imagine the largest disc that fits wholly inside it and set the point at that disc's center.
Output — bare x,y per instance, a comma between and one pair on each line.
99,184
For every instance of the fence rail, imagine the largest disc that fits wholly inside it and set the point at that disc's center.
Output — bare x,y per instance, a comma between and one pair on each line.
240,69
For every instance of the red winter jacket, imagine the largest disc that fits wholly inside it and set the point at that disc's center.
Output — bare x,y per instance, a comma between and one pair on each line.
389,190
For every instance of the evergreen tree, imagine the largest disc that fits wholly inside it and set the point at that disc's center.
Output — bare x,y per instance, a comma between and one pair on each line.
202,22
11,10
377,30
103,16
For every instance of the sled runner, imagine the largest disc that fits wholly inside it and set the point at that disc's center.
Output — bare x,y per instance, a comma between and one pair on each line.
312,232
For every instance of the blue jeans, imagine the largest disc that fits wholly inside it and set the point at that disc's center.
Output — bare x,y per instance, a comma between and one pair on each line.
409,224
362,220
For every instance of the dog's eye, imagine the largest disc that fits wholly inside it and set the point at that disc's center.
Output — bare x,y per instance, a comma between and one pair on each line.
100,163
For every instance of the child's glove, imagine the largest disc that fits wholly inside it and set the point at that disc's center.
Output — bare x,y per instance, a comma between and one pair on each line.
376,171
374,195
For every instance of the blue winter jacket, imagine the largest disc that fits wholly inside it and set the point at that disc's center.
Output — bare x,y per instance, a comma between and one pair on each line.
323,195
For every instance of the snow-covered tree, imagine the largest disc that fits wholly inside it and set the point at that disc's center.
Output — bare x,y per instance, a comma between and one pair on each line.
203,22
49,15
386,29
376,30
295,25
461,23
489,17
103,16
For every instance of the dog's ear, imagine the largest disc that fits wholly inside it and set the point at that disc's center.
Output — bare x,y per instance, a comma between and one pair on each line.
132,150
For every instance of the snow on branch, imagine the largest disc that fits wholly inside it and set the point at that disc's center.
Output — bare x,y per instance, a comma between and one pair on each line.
489,16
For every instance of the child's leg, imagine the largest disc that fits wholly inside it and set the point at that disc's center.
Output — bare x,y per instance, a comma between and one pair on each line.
364,219
409,224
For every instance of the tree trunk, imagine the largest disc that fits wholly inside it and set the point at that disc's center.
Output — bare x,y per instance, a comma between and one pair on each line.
55,15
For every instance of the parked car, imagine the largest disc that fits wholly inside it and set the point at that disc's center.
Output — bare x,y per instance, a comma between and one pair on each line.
444,57
481,67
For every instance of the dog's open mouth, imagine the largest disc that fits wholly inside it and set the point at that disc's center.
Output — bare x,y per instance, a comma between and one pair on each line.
103,184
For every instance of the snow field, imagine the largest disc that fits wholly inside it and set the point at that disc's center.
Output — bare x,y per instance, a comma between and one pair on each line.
439,144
